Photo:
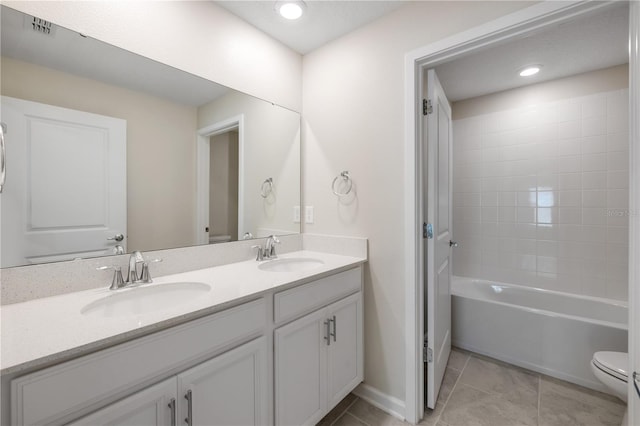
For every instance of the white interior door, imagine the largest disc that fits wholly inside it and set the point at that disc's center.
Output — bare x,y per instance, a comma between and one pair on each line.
65,192
437,274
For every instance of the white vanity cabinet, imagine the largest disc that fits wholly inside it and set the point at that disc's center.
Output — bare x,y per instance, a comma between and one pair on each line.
210,356
152,406
230,389
318,358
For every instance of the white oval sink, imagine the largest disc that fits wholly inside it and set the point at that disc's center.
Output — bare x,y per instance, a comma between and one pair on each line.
142,300
293,264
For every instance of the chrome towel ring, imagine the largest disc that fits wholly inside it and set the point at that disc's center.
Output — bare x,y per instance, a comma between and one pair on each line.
266,188
346,179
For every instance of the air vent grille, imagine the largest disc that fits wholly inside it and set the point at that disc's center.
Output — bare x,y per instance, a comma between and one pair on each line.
41,26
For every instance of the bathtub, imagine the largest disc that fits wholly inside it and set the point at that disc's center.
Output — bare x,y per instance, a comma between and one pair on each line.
546,331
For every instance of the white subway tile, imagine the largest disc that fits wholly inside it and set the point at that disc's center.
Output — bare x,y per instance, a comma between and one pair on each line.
570,146
594,106
506,214
526,246
618,234
571,198
594,198
594,180
568,110
594,126
594,162
618,179
569,164
547,198
594,144
526,215
570,215
507,198
547,248
569,129
489,214
618,161
594,216
527,198
594,233
548,182
547,264
618,141
570,181
489,199
547,215
618,199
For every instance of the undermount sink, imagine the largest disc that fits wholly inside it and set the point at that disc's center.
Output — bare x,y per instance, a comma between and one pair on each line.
293,264
142,300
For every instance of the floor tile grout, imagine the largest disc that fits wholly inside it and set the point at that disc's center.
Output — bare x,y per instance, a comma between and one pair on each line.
345,411
356,417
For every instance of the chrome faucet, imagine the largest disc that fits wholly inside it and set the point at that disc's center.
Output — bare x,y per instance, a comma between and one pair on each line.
269,249
134,260
270,246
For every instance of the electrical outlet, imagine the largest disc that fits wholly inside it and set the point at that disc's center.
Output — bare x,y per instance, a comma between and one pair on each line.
308,214
296,214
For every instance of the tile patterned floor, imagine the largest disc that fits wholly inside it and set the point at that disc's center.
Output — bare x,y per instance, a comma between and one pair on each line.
480,391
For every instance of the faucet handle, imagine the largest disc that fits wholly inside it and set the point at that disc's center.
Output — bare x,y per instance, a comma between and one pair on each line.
116,281
260,253
146,276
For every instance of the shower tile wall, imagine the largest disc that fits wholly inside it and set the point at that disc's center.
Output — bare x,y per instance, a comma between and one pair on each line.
540,195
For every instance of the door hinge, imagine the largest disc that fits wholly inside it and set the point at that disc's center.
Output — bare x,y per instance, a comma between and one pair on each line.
427,230
427,108
427,354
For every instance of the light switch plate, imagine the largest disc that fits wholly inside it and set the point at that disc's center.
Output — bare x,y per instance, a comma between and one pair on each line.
296,214
308,214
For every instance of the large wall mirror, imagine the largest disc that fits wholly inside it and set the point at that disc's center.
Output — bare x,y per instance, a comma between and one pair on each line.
109,152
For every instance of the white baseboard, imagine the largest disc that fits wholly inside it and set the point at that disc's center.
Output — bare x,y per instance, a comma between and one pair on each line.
386,403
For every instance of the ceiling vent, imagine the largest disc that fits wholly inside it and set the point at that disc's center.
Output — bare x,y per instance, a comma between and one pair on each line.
40,25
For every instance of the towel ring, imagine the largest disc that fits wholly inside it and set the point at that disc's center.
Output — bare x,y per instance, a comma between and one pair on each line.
346,178
266,188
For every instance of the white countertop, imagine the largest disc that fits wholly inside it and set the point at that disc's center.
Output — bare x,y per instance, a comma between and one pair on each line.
53,329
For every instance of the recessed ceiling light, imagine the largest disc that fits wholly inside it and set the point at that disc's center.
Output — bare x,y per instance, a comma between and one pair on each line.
529,71
291,10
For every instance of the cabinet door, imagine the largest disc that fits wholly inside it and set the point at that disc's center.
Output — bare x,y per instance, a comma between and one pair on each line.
230,389
300,370
152,406
345,369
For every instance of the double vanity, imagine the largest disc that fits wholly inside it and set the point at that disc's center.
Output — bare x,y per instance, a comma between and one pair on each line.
277,341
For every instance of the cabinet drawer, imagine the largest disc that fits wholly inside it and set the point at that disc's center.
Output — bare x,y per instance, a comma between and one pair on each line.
61,392
297,301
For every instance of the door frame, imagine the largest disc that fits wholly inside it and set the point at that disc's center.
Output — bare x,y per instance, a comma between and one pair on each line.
202,173
417,61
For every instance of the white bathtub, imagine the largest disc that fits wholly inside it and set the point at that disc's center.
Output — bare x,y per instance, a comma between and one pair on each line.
546,331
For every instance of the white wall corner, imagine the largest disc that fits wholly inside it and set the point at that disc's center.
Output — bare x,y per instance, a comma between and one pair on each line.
387,403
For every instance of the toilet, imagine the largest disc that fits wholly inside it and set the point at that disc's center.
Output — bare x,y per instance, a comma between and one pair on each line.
611,368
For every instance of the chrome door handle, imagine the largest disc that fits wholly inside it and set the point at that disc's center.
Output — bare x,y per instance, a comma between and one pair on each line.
327,335
188,397
172,407
453,244
334,327
3,156
117,237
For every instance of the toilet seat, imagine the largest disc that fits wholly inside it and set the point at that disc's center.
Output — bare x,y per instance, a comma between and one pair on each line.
612,363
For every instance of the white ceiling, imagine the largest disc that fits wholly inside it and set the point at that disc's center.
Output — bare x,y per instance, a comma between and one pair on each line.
589,43
323,20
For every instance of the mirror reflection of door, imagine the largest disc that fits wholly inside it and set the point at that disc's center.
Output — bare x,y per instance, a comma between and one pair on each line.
223,187
65,195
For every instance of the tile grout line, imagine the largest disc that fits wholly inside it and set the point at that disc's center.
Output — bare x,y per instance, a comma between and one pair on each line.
453,388
345,411
357,418
539,396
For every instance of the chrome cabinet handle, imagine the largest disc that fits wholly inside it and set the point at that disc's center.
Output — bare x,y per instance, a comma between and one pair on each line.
188,397
172,407
334,327
117,237
327,335
3,157
453,244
